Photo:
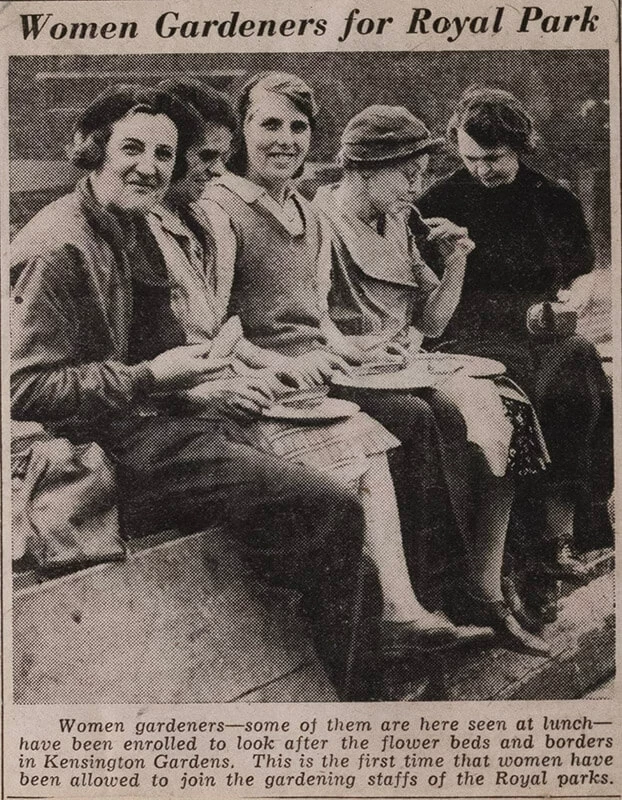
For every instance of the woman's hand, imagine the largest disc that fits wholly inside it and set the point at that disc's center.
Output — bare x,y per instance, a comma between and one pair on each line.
388,351
242,398
283,374
344,347
293,376
185,367
452,240
318,366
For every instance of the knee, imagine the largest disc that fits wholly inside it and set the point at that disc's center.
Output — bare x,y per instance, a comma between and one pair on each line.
415,418
571,372
577,347
449,418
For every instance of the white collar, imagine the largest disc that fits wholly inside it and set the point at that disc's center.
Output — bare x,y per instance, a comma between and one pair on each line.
170,221
247,190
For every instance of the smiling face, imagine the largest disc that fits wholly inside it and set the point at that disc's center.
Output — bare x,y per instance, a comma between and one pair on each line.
277,137
204,160
395,188
491,166
138,163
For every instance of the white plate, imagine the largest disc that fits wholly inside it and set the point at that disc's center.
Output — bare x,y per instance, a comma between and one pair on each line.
473,366
405,379
330,409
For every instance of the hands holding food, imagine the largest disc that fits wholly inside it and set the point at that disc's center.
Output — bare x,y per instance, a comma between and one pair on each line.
185,367
452,240
318,366
242,398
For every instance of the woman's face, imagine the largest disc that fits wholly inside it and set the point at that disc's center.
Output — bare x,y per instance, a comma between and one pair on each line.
204,160
394,189
277,137
492,166
138,162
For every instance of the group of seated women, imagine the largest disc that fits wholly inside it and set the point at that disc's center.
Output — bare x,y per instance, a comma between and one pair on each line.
186,286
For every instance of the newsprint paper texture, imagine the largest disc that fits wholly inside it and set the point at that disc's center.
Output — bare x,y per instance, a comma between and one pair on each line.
199,605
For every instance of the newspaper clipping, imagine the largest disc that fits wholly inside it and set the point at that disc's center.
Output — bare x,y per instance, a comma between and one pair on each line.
310,367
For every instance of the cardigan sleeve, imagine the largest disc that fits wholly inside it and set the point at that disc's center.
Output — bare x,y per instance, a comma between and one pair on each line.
52,379
574,242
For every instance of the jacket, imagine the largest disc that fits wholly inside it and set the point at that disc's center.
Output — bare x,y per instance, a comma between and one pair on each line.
72,268
530,238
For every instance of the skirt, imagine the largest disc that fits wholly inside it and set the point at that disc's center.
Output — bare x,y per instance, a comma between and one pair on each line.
525,453
501,423
339,449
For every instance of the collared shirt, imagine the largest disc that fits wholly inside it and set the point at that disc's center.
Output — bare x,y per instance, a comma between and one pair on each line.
196,296
289,213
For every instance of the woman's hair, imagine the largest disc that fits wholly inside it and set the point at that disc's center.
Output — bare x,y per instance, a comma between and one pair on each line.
214,106
94,125
493,118
282,83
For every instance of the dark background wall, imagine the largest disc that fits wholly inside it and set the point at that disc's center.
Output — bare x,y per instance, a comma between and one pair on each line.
566,91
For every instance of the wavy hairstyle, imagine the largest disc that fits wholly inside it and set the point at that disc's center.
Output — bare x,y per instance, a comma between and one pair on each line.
493,118
283,83
94,125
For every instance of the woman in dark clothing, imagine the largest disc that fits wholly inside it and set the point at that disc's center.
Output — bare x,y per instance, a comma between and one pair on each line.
531,241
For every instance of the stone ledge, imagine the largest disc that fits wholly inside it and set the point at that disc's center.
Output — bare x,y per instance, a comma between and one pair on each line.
180,621
582,657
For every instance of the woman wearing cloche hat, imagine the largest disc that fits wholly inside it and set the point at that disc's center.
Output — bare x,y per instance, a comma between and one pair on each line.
382,286
384,154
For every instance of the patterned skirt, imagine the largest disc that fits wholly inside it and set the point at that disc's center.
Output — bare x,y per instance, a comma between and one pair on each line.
525,454
501,422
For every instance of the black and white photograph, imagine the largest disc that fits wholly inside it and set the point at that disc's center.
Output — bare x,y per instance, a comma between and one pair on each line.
311,377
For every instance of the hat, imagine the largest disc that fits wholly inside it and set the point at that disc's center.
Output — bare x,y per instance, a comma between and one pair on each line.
385,133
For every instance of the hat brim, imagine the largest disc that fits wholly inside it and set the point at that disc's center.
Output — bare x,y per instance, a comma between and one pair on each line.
363,153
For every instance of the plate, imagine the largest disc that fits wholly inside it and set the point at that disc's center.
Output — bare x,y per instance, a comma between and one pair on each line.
448,363
404,380
330,409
